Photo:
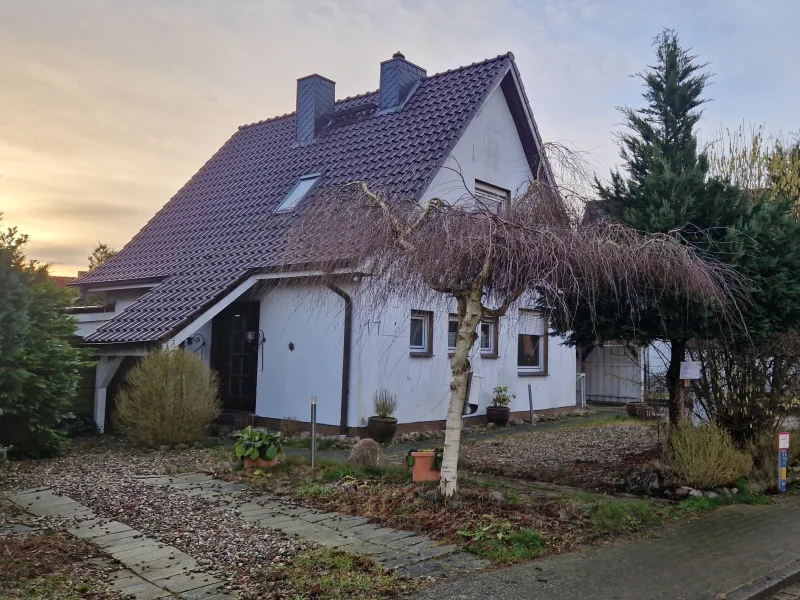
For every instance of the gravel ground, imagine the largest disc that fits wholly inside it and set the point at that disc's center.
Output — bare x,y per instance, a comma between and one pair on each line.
594,456
253,560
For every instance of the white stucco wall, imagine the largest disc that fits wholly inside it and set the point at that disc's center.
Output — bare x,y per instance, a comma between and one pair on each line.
490,150
312,319
422,384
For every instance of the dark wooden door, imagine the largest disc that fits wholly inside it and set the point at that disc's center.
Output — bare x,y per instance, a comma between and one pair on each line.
234,355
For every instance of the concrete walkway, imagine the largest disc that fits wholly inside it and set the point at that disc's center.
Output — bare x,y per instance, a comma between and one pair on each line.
150,569
706,559
408,553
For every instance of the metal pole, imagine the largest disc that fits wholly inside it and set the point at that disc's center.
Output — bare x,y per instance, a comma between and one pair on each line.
313,432
530,401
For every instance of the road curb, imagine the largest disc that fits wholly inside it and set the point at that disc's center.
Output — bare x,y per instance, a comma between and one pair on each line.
767,585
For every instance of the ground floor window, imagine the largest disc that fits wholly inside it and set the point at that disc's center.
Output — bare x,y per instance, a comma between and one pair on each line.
531,343
421,331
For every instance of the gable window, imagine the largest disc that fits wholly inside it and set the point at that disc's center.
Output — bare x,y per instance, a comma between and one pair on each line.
491,195
488,337
297,193
452,332
420,342
531,343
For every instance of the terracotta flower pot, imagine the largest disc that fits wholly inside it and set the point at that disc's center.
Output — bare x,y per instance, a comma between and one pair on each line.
261,463
382,430
498,415
423,466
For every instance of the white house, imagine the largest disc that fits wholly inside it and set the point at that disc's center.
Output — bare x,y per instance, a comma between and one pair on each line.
205,271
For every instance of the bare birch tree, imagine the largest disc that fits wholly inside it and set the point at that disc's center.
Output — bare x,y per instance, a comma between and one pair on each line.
486,257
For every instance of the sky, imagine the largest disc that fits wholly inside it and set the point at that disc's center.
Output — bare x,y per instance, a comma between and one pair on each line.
107,107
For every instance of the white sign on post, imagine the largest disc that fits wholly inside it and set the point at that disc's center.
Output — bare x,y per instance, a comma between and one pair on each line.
690,369
783,441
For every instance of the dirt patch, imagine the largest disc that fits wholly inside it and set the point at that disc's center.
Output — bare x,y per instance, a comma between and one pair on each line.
54,566
593,457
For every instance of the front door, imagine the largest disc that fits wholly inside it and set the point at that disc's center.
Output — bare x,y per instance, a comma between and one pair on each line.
234,355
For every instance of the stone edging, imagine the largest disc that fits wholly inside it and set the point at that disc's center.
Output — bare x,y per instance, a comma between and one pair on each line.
766,586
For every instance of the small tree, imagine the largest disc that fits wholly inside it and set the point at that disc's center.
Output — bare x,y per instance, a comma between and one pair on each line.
486,259
38,365
101,253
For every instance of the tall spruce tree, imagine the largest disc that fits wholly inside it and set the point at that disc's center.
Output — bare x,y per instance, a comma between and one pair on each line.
666,188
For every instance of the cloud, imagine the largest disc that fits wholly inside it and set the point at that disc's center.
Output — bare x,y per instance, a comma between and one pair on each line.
109,107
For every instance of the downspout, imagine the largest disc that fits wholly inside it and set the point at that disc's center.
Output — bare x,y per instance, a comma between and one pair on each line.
348,332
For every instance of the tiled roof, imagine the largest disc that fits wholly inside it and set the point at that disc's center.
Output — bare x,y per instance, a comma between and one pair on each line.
220,226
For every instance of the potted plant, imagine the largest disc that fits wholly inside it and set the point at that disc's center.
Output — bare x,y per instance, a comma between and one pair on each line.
499,412
382,426
425,465
258,448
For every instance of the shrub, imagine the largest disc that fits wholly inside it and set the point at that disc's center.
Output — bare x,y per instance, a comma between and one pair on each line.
764,450
80,426
169,397
703,457
385,403
289,426
501,397
38,365
258,443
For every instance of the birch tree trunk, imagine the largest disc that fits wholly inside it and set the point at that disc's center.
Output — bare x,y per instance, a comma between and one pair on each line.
470,313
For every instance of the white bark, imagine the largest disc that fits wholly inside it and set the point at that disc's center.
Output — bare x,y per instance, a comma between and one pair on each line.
470,313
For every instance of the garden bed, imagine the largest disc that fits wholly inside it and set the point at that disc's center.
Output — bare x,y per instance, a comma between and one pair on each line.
594,456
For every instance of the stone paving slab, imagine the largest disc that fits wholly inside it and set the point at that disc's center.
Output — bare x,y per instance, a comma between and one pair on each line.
151,569
393,548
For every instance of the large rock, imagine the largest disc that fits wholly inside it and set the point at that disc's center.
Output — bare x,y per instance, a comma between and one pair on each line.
366,453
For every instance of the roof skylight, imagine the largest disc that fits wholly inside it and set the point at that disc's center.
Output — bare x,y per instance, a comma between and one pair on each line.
298,192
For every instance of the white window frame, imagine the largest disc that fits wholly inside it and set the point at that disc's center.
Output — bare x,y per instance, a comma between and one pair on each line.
491,349
452,318
299,191
540,330
492,195
426,317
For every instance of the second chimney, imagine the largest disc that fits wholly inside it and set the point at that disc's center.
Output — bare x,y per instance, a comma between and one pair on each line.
316,101
398,78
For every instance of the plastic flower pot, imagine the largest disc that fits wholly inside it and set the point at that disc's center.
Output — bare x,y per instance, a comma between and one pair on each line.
423,466
261,463
498,415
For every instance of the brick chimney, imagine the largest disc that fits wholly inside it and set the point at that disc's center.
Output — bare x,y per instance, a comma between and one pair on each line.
398,79
316,101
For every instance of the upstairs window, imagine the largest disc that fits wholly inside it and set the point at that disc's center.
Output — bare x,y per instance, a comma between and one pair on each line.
491,195
297,193
531,343
421,330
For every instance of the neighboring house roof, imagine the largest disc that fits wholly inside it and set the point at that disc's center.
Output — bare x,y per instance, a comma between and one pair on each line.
62,281
220,227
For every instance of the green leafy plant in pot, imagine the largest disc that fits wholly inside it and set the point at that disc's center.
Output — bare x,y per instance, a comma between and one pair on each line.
258,448
499,412
382,426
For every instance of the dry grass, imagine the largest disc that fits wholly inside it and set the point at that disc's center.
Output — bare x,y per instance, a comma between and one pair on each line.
704,457
169,397
53,566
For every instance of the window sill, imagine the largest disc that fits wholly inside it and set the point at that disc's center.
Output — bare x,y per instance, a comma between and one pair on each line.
490,355
532,373
420,354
